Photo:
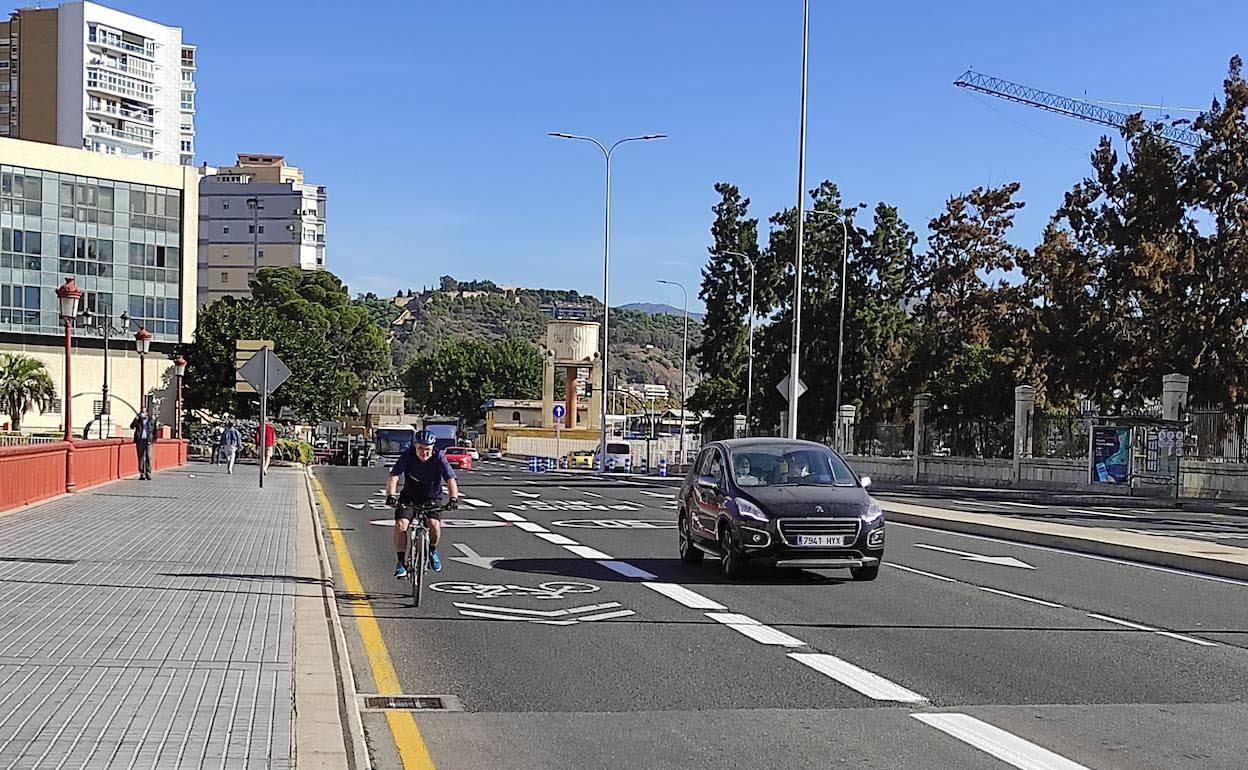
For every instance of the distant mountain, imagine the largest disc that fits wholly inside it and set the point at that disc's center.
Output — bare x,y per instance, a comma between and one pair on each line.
657,308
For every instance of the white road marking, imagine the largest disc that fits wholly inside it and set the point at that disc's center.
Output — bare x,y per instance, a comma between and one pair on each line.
1115,514
657,494
540,613
871,685
607,615
994,741
920,572
1064,552
1183,638
590,494
624,507
627,570
520,493
585,552
1018,596
497,616
356,506
475,503
517,506
1000,561
690,599
1121,622
557,539
750,627
1018,504
529,526
1088,512
508,516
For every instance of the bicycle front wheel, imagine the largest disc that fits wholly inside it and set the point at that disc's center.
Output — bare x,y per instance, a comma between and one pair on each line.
419,565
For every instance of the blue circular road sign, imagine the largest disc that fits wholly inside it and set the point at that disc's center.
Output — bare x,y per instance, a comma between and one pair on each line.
559,411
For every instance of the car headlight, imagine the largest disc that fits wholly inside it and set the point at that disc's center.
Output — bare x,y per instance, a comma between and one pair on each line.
874,514
750,510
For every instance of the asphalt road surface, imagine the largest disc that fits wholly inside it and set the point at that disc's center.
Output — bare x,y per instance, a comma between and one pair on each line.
570,636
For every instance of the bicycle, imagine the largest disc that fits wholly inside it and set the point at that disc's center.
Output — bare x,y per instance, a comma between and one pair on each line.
417,554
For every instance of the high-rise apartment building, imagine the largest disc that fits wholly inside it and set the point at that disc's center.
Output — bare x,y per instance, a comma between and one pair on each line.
82,75
257,213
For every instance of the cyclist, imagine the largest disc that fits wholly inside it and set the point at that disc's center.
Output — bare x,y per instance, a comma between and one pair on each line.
423,471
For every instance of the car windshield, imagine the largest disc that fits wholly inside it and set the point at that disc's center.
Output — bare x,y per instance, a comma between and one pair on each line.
617,449
771,465
393,441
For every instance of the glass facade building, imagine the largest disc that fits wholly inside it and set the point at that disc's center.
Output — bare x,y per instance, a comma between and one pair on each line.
121,241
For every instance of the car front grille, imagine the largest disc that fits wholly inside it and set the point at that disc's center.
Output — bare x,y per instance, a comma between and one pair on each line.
791,528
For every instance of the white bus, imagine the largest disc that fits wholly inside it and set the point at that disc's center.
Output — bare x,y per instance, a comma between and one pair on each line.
392,441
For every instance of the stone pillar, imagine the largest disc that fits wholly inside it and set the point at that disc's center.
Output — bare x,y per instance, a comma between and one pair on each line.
1024,409
845,429
548,388
569,419
921,402
594,411
1174,396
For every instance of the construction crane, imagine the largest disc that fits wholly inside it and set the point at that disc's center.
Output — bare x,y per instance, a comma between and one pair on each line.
1063,105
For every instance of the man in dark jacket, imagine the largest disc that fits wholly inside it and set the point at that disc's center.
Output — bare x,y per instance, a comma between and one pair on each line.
144,434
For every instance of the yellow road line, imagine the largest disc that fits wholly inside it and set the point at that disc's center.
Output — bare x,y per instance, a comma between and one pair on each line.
411,746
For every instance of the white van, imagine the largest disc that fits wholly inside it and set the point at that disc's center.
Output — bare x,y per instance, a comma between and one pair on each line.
617,451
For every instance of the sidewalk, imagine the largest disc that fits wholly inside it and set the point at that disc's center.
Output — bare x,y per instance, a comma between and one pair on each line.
153,625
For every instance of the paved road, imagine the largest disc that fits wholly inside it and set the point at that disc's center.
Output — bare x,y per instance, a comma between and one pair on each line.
966,653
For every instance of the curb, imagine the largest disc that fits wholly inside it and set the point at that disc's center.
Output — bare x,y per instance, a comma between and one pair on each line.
357,751
1047,497
1156,557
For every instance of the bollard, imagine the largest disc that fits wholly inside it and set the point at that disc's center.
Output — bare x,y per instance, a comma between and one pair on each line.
563,463
610,464
550,463
533,465
628,464
663,466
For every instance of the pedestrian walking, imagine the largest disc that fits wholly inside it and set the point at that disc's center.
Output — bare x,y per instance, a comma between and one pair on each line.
264,445
215,438
231,442
144,434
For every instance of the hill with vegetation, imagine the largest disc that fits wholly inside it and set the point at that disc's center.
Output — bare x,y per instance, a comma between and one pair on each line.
645,347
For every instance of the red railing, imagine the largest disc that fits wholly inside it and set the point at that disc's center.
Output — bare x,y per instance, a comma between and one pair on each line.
32,473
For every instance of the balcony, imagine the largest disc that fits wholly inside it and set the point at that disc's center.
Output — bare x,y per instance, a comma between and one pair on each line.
125,69
97,83
121,112
133,137
112,40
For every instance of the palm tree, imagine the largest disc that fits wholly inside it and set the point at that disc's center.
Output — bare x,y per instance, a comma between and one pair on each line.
24,385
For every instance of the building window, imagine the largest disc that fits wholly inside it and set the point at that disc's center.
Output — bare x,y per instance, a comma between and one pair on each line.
86,203
515,417
188,100
19,305
252,229
225,205
225,277
158,314
259,253
21,249
84,256
225,229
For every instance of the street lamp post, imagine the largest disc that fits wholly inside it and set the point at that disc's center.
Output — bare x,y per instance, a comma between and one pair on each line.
606,265
179,368
749,367
684,368
142,344
840,335
795,356
68,295
104,325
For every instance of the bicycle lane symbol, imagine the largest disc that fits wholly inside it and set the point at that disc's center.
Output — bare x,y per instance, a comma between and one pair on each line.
550,590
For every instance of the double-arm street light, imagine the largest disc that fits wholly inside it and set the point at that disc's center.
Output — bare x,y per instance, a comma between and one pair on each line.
607,152
684,367
840,335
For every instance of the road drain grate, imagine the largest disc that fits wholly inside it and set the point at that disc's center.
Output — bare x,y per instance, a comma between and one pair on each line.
411,703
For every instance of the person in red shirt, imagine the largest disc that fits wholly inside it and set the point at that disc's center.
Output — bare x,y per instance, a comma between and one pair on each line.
270,438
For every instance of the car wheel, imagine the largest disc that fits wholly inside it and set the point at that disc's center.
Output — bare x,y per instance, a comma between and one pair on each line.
864,574
689,554
731,561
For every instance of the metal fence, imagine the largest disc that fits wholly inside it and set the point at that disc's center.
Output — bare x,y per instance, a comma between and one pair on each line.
1061,435
958,436
9,438
884,439
1217,434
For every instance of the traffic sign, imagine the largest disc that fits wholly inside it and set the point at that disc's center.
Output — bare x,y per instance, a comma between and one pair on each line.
559,411
244,350
783,387
253,371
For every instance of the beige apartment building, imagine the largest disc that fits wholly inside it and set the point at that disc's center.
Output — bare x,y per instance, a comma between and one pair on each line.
257,213
85,76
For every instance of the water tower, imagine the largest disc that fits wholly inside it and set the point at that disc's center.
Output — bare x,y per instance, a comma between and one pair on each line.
570,346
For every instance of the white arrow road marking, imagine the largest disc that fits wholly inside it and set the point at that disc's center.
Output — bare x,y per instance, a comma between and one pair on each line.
1000,561
356,506
475,559
865,682
994,741
519,493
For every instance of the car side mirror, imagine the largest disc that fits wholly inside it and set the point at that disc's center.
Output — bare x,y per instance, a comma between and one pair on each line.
865,481
708,482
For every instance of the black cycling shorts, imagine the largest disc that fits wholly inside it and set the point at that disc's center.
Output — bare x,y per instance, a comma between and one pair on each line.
406,510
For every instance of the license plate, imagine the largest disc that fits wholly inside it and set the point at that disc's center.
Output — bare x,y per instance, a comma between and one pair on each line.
826,541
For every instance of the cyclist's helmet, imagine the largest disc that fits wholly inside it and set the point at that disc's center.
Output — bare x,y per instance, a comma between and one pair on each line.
426,438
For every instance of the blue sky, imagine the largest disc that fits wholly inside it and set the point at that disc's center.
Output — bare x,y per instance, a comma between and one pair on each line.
428,121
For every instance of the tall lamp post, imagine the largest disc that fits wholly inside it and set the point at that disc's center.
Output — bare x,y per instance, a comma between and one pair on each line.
749,367
68,295
104,325
795,354
179,368
142,344
607,152
840,335
684,367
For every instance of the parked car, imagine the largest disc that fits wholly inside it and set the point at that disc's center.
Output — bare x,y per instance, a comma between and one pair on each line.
618,454
472,451
459,457
493,453
581,459
786,502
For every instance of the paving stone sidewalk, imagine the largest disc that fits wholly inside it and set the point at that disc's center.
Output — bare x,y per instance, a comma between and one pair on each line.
148,624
